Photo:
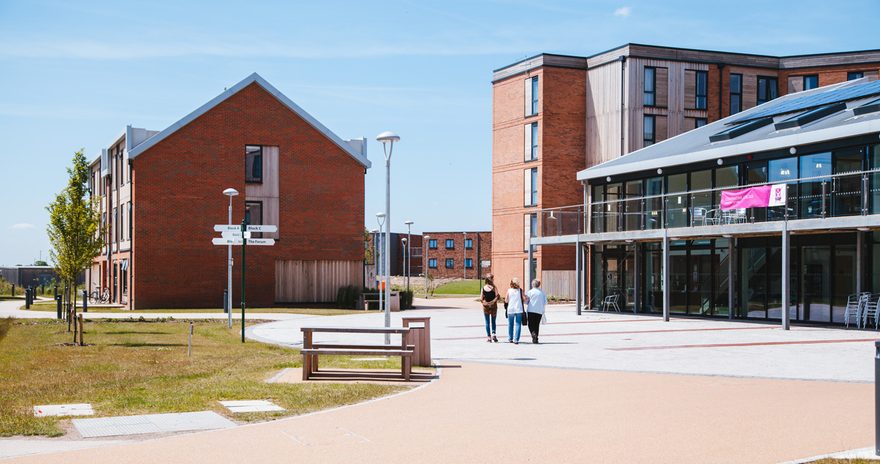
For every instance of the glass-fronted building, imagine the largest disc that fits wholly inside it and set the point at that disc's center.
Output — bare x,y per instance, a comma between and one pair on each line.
652,230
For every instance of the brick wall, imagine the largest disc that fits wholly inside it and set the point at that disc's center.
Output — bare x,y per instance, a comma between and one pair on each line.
482,244
178,186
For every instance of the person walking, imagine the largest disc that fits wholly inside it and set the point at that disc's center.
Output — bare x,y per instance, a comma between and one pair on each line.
513,304
489,298
537,305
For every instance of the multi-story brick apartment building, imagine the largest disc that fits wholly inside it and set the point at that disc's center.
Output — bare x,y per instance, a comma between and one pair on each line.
161,195
465,255
556,115
398,254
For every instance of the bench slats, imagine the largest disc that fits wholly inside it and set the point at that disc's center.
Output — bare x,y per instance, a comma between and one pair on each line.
354,352
363,347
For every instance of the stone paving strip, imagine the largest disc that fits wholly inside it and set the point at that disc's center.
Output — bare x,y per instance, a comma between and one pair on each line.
151,423
78,409
240,406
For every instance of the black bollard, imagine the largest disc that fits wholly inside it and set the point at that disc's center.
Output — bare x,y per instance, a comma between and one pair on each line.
225,301
85,304
27,298
58,305
13,290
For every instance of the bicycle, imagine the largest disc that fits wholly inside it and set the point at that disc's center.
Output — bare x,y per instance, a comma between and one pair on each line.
102,296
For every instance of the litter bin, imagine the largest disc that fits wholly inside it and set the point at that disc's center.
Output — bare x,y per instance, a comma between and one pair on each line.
420,336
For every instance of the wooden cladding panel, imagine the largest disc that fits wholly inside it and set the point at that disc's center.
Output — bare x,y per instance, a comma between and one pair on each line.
604,115
661,128
267,192
795,84
662,87
690,88
559,284
298,281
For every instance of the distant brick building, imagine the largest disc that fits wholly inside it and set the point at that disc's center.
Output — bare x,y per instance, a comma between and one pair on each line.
161,194
457,254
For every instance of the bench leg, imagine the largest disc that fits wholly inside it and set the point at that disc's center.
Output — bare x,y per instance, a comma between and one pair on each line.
406,367
314,363
305,366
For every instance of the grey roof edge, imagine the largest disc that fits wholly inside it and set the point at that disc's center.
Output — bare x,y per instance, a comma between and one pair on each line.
253,78
539,61
795,139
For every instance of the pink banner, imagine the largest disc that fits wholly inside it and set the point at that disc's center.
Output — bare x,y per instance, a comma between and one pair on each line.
752,197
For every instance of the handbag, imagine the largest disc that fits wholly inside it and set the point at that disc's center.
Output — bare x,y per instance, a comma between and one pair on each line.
525,314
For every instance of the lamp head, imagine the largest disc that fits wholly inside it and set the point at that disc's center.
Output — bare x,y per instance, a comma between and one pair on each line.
381,218
388,136
409,223
230,192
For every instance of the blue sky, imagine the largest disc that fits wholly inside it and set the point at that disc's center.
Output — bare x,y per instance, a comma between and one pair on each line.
75,73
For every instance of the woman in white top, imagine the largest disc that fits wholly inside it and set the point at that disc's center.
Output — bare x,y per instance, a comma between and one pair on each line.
514,302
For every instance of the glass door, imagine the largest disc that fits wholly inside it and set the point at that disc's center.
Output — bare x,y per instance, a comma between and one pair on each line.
815,285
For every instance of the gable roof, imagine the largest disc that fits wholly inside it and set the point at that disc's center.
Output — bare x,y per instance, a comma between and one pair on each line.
359,155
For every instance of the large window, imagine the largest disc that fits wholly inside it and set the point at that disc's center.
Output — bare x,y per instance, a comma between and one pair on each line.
469,263
700,122
432,244
531,94
253,214
530,229
814,190
450,263
676,202
432,263
253,165
853,75
648,130
468,244
701,98
531,141
450,244
767,89
811,81
530,182
650,86
736,96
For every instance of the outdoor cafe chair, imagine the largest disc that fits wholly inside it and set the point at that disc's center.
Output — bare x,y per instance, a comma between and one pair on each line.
610,301
855,304
870,311
699,217
713,216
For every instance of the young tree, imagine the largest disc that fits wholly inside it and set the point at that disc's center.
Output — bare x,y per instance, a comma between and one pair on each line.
74,223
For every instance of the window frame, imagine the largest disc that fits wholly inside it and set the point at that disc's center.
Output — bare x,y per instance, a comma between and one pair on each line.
653,139
249,217
767,80
450,244
468,244
535,92
533,149
697,122
701,100
469,263
432,243
432,263
810,77
853,75
531,187
738,94
653,91
449,263
249,179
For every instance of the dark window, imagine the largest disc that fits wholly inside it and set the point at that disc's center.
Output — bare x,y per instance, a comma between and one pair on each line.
767,89
533,150
450,263
253,164
535,95
253,214
468,244
530,181
450,244
432,263
648,135
130,222
811,81
650,86
700,122
853,75
432,243
469,263
736,96
702,90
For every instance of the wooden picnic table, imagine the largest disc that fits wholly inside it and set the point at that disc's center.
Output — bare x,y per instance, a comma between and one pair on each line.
311,350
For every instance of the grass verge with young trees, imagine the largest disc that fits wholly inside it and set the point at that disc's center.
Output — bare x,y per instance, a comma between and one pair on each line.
142,367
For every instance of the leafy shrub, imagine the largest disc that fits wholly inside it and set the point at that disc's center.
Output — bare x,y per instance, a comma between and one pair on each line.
348,296
406,299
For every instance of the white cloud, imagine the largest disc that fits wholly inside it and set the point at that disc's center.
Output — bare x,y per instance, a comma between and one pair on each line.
623,11
22,226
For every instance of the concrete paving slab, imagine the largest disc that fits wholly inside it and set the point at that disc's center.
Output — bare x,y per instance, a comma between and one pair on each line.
78,409
10,448
150,423
241,406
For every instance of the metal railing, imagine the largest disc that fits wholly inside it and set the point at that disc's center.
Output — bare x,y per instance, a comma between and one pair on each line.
833,195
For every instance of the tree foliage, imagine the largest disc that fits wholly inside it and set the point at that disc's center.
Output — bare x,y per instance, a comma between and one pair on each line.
74,223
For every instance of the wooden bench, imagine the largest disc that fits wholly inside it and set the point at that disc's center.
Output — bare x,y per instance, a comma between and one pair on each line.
312,351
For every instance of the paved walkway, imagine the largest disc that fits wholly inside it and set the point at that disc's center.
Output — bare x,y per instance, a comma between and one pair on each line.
488,413
10,308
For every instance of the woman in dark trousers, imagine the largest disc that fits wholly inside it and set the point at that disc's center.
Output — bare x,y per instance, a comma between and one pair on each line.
489,298
537,305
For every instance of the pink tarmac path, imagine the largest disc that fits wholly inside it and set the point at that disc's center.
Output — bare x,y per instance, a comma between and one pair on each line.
485,413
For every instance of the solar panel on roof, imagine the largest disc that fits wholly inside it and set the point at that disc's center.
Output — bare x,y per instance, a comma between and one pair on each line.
815,99
872,106
736,131
814,114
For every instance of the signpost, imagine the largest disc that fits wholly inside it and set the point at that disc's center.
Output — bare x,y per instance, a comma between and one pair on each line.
240,235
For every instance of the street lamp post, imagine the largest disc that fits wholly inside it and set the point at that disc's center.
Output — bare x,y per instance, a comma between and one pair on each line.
388,138
383,251
425,265
403,245
408,252
230,192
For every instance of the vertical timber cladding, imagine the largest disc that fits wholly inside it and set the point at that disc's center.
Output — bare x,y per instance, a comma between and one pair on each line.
315,281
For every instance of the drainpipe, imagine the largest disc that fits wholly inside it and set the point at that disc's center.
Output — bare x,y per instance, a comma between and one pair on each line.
720,90
622,101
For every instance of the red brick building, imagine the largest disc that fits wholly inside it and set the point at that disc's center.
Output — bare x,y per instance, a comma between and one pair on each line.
555,115
161,194
457,254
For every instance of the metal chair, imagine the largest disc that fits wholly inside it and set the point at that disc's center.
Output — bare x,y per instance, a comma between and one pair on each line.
713,216
853,310
610,301
698,216
870,311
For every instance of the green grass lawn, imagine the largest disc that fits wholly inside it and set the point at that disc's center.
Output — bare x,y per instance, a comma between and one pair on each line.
459,287
51,307
142,367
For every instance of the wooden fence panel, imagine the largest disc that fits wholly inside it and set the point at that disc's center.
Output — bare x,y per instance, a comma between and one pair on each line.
314,281
559,284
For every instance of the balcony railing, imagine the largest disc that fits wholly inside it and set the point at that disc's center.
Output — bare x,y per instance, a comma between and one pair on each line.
832,195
